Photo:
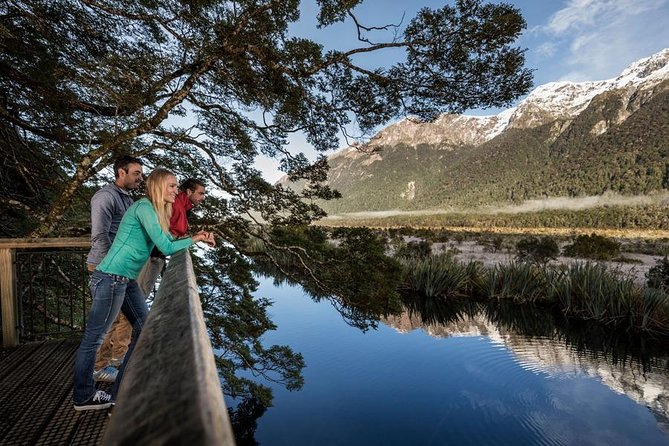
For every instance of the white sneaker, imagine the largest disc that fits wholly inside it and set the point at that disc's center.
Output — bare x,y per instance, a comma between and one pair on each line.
101,400
108,374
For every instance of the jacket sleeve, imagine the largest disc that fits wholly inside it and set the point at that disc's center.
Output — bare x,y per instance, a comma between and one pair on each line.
164,242
178,221
102,209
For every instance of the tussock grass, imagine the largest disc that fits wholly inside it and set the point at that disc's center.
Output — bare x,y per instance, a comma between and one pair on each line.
520,281
439,275
587,290
591,291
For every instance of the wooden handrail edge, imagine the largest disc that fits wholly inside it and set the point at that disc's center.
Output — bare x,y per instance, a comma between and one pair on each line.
171,391
37,243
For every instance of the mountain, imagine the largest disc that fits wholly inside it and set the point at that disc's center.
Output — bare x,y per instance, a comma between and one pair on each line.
565,139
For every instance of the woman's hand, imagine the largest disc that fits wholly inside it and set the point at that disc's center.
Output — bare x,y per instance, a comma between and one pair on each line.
204,236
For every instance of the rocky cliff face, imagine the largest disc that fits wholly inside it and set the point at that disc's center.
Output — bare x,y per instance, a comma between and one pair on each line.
547,103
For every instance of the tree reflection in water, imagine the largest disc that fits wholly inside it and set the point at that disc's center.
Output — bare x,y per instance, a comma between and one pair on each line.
354,275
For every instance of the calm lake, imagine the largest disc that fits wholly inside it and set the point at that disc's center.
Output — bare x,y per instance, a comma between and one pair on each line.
469,376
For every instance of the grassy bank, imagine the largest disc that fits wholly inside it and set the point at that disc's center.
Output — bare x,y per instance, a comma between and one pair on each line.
614,221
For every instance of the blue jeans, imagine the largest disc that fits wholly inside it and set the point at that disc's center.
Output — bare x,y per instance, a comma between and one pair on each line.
111,294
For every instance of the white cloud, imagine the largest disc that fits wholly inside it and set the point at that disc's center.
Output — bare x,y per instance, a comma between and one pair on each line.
583,14
547,49
601,37
577,14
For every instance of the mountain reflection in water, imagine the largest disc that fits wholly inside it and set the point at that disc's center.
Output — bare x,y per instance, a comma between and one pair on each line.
464,374
628,364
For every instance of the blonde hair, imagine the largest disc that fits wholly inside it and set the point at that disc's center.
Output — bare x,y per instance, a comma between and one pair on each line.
156,183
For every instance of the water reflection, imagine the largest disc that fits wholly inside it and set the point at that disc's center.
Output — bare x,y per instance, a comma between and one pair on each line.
488,373
361,310
542,342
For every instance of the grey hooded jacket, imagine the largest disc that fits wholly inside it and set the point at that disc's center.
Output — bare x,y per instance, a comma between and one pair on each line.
107,208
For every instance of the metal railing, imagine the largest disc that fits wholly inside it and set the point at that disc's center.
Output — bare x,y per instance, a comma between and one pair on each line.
43,287
52,288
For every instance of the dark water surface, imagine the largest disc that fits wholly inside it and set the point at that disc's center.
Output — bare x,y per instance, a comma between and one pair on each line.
433,376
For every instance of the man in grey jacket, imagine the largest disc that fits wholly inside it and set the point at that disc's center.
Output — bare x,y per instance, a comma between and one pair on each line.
107,208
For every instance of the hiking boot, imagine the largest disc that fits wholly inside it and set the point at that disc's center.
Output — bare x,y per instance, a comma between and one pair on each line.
101,400
108,374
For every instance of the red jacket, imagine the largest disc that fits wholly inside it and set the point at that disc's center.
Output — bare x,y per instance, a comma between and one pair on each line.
179,221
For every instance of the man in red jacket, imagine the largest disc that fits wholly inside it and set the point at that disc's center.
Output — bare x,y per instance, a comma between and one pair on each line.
191,193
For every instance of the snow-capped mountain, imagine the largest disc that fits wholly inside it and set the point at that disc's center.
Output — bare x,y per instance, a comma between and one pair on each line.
548,102
565,139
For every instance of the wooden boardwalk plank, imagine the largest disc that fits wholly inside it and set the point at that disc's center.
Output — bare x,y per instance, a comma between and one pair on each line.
11,358
18,387
43,395
19,363
36,398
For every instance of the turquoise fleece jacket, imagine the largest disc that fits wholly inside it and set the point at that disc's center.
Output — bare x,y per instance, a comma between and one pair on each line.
137,234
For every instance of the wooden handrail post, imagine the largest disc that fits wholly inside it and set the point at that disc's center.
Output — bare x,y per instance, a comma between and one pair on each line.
7,300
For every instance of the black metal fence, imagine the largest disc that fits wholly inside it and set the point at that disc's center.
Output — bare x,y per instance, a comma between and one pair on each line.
52,289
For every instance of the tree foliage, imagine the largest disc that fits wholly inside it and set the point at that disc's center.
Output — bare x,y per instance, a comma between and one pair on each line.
593,246
85,80
658,275
537,250
346,266
205,88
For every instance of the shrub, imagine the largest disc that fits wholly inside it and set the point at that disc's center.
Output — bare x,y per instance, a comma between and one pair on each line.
658,275
537,250
415,250
459,237
593,246
493,244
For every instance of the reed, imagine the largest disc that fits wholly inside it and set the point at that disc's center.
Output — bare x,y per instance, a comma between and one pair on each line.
591,291
586,290
655,311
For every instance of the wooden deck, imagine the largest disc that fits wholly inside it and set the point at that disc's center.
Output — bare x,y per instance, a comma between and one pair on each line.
36,397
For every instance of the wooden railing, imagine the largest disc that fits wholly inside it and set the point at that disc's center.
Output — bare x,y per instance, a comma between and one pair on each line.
171,393
8,294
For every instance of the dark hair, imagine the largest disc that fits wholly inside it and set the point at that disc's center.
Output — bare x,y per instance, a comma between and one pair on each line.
123,162
191,183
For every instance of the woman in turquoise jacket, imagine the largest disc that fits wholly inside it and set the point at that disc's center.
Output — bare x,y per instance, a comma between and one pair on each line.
113,286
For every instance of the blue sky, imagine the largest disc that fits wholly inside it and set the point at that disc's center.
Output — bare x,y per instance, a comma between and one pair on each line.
576,40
